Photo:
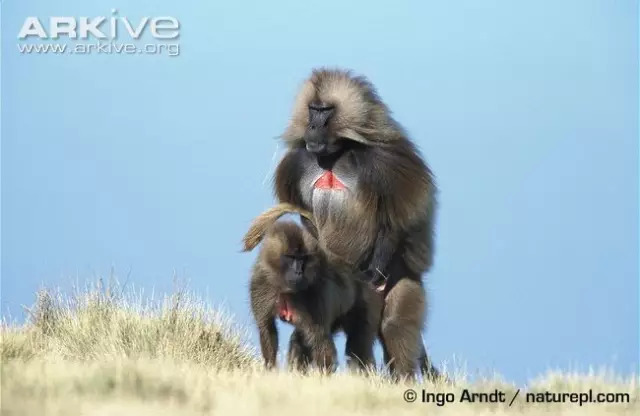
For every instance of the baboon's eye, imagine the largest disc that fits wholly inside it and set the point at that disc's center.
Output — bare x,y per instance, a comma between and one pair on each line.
297,255
286,262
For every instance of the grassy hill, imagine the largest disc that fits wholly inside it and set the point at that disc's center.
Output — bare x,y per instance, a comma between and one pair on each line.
102,352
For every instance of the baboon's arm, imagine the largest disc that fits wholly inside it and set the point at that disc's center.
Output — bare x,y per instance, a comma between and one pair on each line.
384,248
262,298
269,342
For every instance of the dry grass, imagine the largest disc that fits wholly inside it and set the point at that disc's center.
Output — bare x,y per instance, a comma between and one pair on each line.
101,353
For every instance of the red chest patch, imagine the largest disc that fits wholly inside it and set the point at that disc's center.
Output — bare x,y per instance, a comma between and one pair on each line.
328,181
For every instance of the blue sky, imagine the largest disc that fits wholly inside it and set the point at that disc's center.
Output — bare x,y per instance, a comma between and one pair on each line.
527,114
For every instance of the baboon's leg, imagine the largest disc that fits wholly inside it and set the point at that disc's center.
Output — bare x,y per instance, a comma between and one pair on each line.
429,372
268,341
299,355
322,347
361,328
402,322
388,362
359,347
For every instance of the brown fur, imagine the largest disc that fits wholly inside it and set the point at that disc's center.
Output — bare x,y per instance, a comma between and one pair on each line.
333,301
399,303
383,221
264,221
361,113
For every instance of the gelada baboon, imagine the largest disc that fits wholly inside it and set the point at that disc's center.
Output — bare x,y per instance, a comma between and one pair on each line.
371,194
292,280
267,219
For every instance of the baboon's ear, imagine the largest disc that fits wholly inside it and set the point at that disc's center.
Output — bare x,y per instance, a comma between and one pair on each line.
262,222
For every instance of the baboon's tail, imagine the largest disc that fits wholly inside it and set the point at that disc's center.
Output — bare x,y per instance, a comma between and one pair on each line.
262,222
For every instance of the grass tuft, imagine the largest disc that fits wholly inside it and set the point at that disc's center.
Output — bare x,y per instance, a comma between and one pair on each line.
98,325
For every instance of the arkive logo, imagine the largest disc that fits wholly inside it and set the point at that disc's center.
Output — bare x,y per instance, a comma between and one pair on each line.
99,27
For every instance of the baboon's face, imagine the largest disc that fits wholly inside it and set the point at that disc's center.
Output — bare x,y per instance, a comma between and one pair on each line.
294,264
319,136
332,107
